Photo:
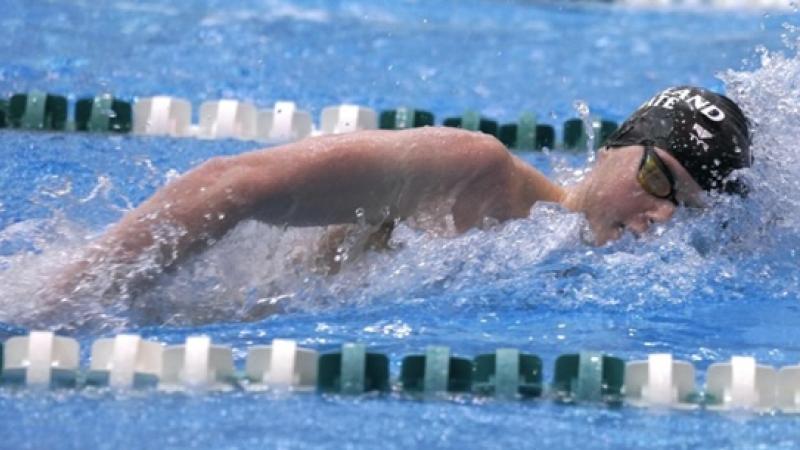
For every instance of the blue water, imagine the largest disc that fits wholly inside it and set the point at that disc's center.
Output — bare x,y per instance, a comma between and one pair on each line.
704,287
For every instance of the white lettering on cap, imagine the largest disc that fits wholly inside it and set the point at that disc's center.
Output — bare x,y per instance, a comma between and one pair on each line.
699,135
670,103
659,100
681,94
713,113
702,133
697,102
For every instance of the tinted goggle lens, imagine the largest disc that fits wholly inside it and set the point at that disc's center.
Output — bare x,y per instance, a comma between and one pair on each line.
654,177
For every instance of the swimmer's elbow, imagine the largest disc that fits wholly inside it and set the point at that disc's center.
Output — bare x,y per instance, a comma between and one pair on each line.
473,151
489,155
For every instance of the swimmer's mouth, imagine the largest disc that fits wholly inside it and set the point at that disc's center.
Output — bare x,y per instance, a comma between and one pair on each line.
622,228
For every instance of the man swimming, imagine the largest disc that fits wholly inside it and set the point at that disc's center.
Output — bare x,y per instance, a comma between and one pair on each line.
681,143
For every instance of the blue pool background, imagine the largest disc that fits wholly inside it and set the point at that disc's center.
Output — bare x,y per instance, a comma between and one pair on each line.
694,288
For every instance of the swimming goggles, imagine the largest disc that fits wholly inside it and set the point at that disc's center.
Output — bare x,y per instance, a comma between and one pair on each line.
654,176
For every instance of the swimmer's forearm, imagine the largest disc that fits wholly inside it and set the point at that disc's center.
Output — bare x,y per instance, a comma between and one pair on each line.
196,207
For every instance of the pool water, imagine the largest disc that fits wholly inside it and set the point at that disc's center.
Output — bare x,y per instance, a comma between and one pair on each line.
704,287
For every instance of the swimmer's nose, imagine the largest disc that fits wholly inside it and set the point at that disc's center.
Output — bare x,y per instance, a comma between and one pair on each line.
638,226
661,213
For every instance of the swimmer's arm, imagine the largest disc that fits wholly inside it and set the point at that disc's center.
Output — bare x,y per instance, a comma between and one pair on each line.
321,181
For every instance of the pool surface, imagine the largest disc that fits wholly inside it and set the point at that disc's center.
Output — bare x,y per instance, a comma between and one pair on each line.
704,287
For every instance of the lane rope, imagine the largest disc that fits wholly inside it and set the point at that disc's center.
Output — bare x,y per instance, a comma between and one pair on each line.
44,360
284,122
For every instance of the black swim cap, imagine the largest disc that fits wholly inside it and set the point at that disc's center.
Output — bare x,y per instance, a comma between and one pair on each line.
705,131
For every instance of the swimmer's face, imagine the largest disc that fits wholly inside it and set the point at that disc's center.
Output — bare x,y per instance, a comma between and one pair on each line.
616,202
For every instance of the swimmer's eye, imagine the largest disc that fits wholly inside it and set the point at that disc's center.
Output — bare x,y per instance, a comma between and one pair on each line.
654,176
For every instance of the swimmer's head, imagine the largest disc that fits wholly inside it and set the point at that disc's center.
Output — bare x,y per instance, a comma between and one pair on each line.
680,143
704,131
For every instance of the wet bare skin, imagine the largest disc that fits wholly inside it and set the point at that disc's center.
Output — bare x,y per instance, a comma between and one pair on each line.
389,175
444,174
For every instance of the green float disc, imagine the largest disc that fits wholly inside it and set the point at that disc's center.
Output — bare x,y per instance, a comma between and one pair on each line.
102,114
35,106
122,122
3,113
460,379
16,109
354,360
412,373
526,132
352,371
102,111
329,368
574,135
83,111
506,373
437,369
566,371
520,135
473,121
37,111
613,379
402,118
530,372
545,137
376,376
56,112
452,122
607,127
588,385
508,135
589,377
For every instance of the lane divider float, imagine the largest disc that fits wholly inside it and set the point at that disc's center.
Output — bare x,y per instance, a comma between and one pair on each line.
162,115
353,370
197,365
284,123
507,374
124,362
227,119
42,360
661,381
282,365
588,377
233,119
741,384
789,389
436,372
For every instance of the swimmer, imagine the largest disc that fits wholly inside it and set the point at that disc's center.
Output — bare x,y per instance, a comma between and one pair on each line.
682,143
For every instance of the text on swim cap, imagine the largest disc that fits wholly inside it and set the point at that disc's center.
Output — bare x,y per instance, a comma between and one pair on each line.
668,99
